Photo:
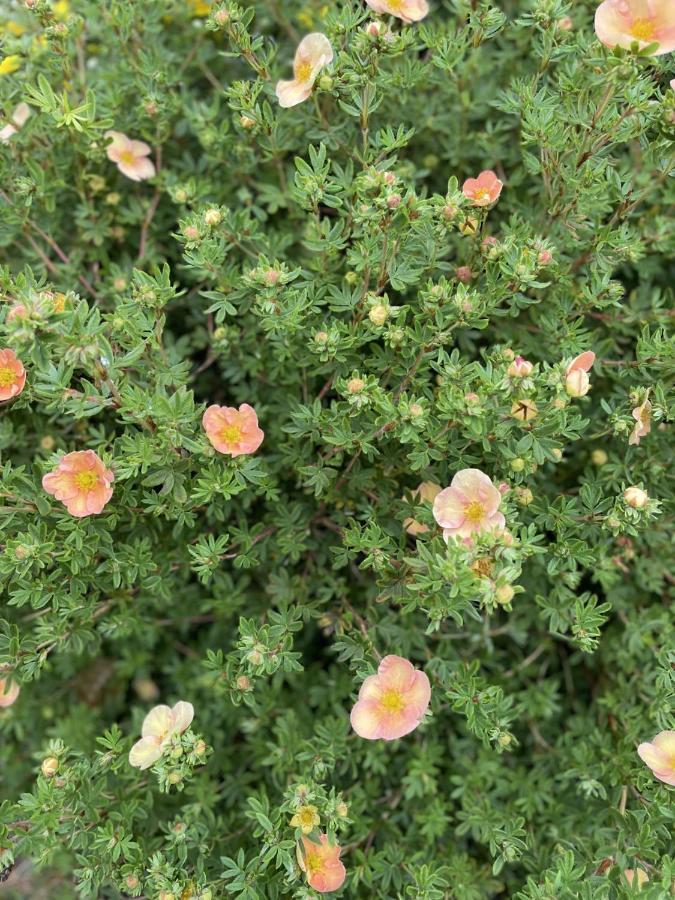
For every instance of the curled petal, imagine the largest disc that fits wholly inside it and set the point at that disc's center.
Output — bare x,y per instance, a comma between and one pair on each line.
183,714
145,753
158,722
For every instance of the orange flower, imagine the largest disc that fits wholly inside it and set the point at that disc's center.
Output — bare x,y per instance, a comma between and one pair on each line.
484,190
625,22
321,864
12,375
81,482
9,691
406,10
643,417
131,157
391,703
232,431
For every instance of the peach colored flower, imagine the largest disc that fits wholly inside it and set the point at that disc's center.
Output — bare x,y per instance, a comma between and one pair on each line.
321,864
625,22
17,311
306,818
407,10
313,53
81,482
636,877
391,703
426,492
159,726
484,190
659,755
577,382
469,506
643,418
131,157
9,691
17,120
519,368
12,375
636,497
232,431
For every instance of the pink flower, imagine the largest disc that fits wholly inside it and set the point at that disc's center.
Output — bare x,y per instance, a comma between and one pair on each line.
17,120
159,727
426,492
484,190
659,755
313,53
391,703
130,156
577,382
81,482
469,506
519,368
12,375
643,418
232,431
9,691
407,10
321,864
625,22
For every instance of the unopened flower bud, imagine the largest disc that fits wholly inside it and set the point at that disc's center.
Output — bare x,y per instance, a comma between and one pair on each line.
469,227
243,682
175,778
517,464
191,233
374,29
221,17
519,368
524,410
557,454
463,274
449,211
120,284
577,383
504,594
504,740
389,178
524,496
394,201
246,121
545,258
325,83
321,337
342,809
180,195
636,497
379,314
199,748
255,657
132,882
50,766
151,108
47,443
213,217
271,277
355,385
565,24
415,410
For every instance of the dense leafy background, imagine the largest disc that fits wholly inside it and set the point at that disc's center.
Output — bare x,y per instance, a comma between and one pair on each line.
262,589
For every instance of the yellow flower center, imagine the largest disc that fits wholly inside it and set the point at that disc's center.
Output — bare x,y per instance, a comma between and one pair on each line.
642,29
86,480
395,6
392,701
127,157
304,71
231,434
307,816
474,512
313,862
7,377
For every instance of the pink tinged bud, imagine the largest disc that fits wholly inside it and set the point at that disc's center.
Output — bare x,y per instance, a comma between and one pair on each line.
406,10
545,258
17,311
489,242
231,431
392,703
191,232
636,497
577,382
131,157
9,691
222,17
519,368
659,755
12,375
484,190
81,482
449,211
271,277
389,178
469,506
375,29
621,23
394,201
321,864
159,726
464,274
565,24
313,54
643,419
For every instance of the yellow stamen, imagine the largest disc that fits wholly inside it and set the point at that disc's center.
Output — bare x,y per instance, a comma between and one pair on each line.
392,701
304,70
7,377
482,194
474,512
127,157
642,29
313,862
86,480
231,434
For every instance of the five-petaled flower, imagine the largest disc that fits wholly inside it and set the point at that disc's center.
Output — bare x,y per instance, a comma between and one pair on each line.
306,818
313,54
12,375
484,190
233,431
577,382
160,726
391,703
426,492
643,419
9,691
659,755
407,10
131,157
17,120
81,482
321,864
469,506
625,22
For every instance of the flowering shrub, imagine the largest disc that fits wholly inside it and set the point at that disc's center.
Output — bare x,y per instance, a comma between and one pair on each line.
336,550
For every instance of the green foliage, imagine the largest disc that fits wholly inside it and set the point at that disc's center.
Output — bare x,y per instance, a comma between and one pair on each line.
305,261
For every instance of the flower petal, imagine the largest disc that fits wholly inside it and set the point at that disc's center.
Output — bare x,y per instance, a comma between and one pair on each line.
158,722
145,753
